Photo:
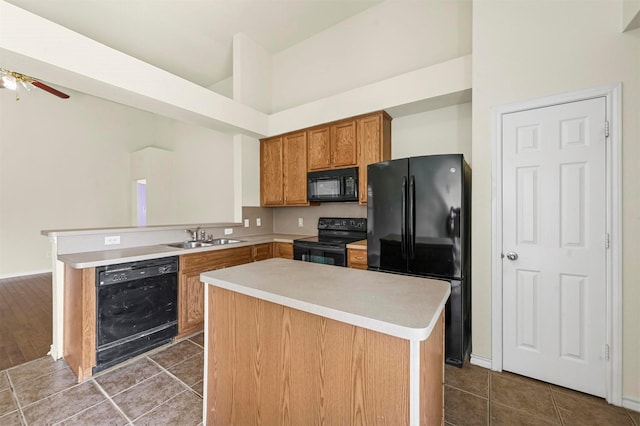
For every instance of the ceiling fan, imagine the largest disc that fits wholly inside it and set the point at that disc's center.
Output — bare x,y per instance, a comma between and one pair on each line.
13,80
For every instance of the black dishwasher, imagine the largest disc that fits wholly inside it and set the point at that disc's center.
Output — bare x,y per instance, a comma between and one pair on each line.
136,309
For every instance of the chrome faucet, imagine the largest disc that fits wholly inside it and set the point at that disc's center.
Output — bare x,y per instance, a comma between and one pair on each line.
194,233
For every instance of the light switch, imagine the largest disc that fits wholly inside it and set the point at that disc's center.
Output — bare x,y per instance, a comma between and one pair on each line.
246,223
228,231
300,222
258,222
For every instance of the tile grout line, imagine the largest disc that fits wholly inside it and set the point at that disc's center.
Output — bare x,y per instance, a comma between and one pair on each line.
176,377
15,397
555,405
162,369
104,392
132,386
125,390
159,406
467,392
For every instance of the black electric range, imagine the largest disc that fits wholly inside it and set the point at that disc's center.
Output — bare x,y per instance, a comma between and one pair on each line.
330,246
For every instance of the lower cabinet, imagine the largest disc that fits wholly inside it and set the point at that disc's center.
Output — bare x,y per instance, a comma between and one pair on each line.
191,290
357,258
262,251
284,250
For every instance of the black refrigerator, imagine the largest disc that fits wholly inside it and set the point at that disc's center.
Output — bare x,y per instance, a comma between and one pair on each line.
419,223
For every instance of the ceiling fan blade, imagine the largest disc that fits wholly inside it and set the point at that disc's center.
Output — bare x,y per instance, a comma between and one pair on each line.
49,89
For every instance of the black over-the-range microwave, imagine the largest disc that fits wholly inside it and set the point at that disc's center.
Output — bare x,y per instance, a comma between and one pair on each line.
333,185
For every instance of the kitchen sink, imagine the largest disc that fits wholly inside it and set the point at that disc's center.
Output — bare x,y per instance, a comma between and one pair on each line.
190,244
222,241
209,243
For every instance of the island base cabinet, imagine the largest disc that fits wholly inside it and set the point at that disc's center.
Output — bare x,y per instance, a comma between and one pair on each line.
269,364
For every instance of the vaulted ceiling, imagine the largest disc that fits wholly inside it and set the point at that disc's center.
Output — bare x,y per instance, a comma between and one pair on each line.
193,38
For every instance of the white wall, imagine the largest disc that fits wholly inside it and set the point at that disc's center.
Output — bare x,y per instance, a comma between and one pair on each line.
67,164
384,41
156,166
529,49
63,164
203,190
251,73
441,131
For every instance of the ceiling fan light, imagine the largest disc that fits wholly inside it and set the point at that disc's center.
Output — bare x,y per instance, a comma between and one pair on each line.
26,85
9,82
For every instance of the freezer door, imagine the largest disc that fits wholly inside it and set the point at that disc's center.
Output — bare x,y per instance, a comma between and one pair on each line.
435,209
386,215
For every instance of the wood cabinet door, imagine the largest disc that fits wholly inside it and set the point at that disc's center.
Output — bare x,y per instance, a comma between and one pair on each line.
283,250
374,142
319,148
190,304
343,144
262,251
295,169
271,172
191,290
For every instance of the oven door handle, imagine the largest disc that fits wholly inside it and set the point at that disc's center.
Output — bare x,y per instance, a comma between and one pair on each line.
326,249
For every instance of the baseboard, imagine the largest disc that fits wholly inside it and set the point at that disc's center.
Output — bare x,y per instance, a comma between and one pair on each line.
631,404
25,274
480,361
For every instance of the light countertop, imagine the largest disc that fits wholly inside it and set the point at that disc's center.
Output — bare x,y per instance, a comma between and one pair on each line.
399,305
358,245
109,257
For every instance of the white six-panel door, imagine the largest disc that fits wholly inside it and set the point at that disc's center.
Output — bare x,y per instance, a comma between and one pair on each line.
554,236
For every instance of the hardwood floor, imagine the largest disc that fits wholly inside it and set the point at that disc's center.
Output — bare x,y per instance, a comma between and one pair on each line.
25,319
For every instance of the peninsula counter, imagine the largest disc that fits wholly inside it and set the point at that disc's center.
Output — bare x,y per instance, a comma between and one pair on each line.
290,342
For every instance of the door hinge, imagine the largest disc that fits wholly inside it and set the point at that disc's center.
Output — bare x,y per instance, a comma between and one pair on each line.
606,352
607,240
606,129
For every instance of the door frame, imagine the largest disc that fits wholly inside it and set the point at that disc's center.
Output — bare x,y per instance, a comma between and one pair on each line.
613,191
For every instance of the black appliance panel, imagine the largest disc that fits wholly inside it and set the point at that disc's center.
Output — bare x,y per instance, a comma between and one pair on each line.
330,246
136,309
125,309
435,202
333,185
429,200
387,215
324,254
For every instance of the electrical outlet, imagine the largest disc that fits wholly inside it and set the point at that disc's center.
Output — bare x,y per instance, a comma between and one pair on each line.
300,222
228,231
113,239
246,223
258,222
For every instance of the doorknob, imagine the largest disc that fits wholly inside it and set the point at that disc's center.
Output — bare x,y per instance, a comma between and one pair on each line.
512,255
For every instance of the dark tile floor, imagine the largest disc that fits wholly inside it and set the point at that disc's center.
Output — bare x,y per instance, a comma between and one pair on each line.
162,387
477,396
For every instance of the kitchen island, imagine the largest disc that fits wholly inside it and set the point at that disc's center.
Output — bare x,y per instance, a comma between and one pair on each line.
289,342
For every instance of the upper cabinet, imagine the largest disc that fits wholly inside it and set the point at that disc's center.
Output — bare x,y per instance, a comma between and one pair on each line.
283,170
333,146
285,159
374,143
295,169
271,172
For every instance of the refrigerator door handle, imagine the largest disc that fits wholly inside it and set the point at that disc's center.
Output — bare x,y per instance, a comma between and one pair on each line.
403,237
412,217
